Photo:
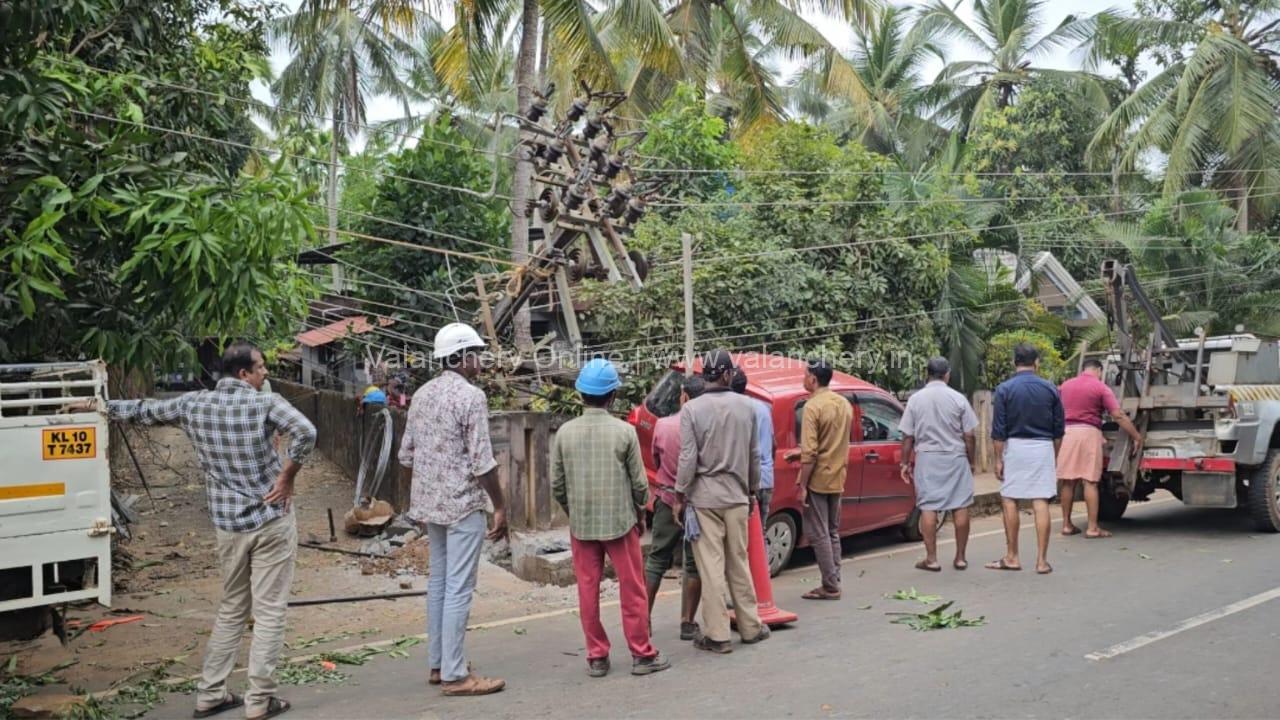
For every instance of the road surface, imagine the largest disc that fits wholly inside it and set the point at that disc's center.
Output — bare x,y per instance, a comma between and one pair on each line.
1175,617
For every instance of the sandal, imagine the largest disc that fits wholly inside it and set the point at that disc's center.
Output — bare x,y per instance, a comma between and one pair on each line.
473,685
275,706
1047,569
820,593
1002,565
1100,534
1069,531
924,565
960,564
231,701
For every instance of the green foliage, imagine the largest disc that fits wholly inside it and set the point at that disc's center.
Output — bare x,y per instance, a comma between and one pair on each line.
1039,146
999,360
684,136
429,216
938,619
123,241
864,299
1201,271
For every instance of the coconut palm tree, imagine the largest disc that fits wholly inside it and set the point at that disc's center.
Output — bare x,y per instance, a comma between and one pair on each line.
343,52
1004,33
888,58
1214,110
1199,269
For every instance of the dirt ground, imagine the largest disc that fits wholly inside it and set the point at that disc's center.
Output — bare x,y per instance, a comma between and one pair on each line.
174,584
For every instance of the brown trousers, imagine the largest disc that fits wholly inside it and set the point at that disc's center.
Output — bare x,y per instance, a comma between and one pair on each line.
822,525
721,551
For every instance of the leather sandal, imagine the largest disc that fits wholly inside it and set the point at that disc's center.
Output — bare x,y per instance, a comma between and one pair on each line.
473,685
275,706
231,701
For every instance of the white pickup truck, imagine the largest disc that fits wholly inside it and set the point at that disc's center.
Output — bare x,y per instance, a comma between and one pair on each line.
55,493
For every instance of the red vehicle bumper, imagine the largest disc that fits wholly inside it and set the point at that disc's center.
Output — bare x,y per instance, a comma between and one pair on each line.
1199,464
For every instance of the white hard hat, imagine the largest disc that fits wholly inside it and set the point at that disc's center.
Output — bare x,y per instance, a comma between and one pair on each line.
453,338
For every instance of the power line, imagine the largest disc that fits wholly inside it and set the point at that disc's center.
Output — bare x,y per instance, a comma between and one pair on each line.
941,233
890,202
411,246
418,228
303,158
393,307
648,342
260,105
909,173
395,285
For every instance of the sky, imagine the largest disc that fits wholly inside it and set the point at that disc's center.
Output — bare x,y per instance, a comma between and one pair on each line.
1054,11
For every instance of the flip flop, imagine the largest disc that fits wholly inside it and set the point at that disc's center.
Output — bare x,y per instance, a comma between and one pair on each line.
230,702
275,707
1001,565
1101,534
1047,569
924,565
961,565
820,594
1069,533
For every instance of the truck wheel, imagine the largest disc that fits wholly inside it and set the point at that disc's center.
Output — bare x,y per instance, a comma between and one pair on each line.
1110,507
1264,493
780,537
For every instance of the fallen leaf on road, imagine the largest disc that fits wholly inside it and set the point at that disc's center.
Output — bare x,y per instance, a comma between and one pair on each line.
1121,548
330,666
520,631
1226,560
864,607
1144,556
861,573
825,708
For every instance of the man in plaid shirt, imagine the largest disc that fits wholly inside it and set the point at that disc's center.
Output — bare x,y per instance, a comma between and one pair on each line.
231,428
598,477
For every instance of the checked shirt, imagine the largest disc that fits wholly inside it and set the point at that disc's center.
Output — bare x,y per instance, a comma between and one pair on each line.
597,475
231,428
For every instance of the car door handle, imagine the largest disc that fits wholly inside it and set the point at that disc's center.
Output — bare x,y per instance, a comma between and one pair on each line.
872,456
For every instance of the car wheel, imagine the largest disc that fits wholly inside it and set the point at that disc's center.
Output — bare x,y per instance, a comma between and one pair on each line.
1264,493
780,536
1111,507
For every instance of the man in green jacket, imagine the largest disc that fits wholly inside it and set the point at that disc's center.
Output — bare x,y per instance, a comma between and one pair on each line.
597,475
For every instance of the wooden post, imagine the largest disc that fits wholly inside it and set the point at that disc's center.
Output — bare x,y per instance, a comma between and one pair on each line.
686,247
486,316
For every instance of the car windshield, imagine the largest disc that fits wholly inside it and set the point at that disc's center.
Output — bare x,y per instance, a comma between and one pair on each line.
665,398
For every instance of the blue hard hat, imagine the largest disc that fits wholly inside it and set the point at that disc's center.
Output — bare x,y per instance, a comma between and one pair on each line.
598,377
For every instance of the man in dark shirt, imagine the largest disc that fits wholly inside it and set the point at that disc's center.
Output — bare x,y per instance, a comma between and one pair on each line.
1027,428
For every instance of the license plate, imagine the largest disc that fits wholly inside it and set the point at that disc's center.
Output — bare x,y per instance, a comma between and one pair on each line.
69,443
1158,452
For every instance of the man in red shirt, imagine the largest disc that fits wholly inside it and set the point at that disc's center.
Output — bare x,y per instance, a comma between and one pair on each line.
1086,400
667,529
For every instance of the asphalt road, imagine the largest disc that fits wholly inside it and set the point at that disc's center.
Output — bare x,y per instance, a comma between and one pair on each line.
1200,585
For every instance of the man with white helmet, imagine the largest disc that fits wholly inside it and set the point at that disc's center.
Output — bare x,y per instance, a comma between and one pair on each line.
446,446
597,476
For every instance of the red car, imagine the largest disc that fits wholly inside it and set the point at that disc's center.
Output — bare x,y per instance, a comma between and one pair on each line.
874,494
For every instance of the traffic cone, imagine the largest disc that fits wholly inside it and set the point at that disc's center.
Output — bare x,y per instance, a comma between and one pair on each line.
770,614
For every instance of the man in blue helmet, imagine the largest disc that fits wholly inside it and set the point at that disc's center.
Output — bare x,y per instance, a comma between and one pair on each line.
597,476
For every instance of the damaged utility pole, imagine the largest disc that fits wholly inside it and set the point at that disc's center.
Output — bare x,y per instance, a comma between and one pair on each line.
584,189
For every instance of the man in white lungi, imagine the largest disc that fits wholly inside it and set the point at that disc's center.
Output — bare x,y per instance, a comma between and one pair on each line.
1086,402
937,453
1027,429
